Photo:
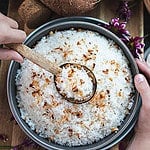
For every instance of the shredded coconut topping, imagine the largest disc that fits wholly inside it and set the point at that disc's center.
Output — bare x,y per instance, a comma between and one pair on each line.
75,83
65,123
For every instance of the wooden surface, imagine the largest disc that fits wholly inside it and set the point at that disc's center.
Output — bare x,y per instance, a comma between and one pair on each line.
105,11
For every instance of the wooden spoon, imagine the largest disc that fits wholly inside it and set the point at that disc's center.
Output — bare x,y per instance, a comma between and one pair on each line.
40,60
36,58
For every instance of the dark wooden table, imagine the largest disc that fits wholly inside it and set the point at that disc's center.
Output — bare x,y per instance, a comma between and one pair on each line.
105,11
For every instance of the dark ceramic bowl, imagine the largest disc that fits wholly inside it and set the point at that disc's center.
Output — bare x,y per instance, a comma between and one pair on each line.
64,24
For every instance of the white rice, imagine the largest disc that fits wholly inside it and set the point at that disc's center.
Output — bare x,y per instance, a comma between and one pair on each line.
74,82
76,124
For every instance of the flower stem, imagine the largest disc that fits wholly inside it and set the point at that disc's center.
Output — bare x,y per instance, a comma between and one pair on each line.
6,147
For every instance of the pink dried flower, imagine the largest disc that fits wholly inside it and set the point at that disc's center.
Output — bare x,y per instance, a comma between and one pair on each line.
124,11
134,44
117,27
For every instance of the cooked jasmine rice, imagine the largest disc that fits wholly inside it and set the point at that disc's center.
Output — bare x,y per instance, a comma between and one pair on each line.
65,123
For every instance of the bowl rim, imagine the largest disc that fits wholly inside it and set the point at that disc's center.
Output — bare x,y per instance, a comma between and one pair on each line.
60,22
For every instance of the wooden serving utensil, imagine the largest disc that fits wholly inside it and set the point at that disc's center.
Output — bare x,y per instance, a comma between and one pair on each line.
36,58
46,64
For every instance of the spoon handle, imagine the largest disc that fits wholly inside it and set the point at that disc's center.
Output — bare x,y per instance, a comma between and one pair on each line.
36,58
